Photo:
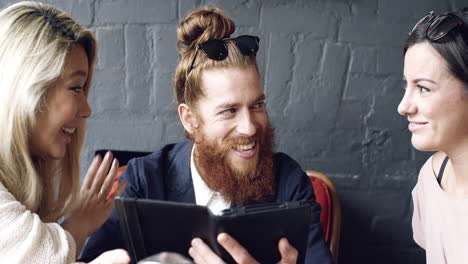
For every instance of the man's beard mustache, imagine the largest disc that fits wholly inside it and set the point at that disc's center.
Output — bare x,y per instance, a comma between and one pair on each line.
250,181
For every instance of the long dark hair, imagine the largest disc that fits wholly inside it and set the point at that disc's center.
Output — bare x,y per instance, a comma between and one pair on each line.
453,47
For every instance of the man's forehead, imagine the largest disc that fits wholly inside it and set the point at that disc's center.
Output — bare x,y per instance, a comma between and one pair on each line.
232,84
235,98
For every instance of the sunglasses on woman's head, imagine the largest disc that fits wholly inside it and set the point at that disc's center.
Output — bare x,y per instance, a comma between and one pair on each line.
439,25
217,49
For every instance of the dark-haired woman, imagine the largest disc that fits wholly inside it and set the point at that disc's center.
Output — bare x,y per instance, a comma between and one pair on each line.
436,105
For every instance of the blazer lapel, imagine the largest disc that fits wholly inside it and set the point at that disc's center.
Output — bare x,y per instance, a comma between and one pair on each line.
179,184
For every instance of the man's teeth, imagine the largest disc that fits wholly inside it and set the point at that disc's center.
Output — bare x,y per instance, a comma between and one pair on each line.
68,130
245,147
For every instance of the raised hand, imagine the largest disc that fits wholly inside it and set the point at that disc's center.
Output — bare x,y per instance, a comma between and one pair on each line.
93,206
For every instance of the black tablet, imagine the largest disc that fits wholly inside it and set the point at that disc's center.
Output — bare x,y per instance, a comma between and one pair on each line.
153,226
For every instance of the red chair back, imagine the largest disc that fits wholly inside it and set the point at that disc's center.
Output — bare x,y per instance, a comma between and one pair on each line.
330,217
323,197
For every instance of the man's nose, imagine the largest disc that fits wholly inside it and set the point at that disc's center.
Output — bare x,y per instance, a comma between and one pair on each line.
246,124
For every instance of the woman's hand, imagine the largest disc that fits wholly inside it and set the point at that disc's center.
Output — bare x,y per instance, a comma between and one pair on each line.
116,256
202,253
93,207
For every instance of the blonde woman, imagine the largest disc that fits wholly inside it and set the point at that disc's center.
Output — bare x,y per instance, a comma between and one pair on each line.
47,62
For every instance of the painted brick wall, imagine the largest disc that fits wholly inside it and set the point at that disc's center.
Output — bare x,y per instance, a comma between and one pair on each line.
332,73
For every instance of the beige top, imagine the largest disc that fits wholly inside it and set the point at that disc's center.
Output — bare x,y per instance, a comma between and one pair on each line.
24,238
440,220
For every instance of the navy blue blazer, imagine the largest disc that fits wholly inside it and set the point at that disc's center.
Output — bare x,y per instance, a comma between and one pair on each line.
165,175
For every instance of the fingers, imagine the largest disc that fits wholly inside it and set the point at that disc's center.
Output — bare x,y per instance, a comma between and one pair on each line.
110,178
102,172
88,180
201,253
237,251
116,256
99,178
196,257
288,253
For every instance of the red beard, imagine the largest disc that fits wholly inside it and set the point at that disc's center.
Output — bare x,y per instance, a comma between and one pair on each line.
251,181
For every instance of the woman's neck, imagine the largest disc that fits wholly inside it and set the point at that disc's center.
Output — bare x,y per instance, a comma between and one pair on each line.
456,181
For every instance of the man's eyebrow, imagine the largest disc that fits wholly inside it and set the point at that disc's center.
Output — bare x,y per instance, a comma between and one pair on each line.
260,98
227,105
233,105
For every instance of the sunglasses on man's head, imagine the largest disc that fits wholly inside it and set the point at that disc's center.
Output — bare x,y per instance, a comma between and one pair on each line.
439,25
216,49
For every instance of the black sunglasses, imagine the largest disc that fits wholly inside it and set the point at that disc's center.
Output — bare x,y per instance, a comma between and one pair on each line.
216,49
439,25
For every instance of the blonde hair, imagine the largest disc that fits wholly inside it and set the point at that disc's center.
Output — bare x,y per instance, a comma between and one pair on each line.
199,26
36,40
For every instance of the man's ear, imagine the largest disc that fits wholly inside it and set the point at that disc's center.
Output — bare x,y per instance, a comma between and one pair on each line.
188,118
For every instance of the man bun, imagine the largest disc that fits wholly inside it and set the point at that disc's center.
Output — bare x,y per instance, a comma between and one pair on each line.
201,25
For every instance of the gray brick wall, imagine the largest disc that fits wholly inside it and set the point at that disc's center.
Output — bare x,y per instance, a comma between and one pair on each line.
332,73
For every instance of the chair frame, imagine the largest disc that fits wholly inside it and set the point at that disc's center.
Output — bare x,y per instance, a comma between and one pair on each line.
336,213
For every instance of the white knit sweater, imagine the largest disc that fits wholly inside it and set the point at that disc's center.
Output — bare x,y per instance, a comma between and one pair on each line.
24,238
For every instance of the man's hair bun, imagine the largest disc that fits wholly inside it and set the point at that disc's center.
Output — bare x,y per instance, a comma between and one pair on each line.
201,25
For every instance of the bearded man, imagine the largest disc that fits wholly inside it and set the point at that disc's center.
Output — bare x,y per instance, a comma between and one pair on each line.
228,160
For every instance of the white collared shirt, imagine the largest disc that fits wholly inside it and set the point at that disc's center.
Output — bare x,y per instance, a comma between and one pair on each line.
204,195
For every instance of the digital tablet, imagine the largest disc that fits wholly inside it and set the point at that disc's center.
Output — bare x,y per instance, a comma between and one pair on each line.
153,226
